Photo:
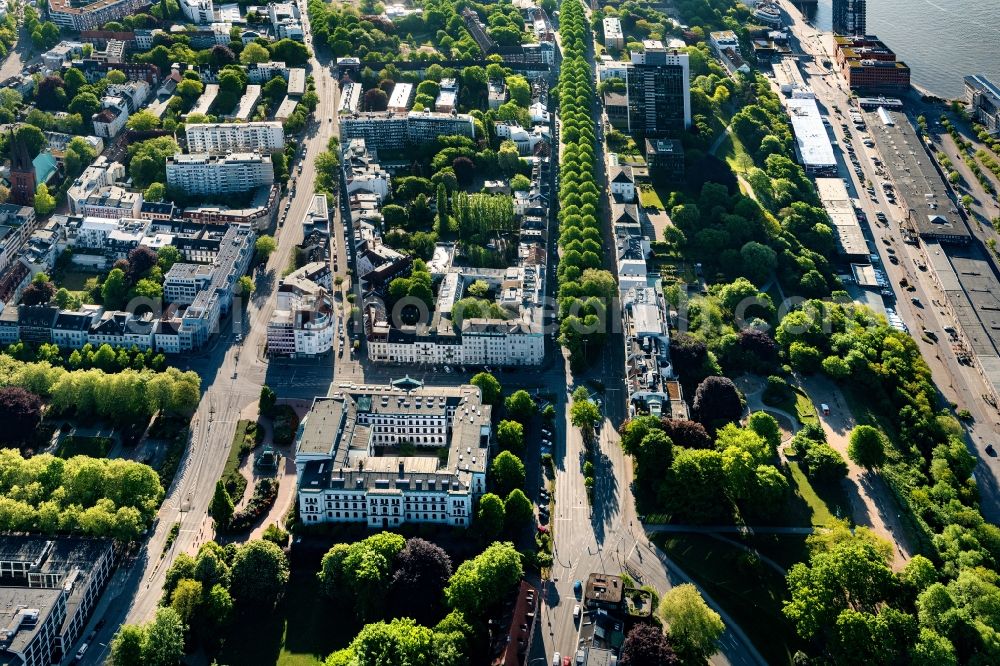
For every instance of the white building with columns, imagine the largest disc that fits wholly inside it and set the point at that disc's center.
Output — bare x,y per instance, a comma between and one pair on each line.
355,457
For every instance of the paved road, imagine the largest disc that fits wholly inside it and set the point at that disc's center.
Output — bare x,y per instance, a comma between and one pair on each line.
232,375
607,535
958,384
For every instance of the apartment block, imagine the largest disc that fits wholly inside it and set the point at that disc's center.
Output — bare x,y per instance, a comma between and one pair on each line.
387,131
983,97
203,173
51,585
402,95
303,322
613,36
223,138
849,17
101,173
88,16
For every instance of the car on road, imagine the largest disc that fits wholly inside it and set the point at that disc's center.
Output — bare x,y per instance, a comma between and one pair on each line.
577,587
556,659
931,335
893,259
915,301
567,661
991,451
580,656
576,612
82,651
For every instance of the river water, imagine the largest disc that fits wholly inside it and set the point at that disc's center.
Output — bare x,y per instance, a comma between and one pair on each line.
941,40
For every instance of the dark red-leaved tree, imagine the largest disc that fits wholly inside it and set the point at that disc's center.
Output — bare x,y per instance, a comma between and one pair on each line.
717,402
140,260
646,645
38,293
689,434
20,414
759,346
222,55
422,570
376,100
464,170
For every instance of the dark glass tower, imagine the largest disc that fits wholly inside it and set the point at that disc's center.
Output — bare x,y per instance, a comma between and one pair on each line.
849,17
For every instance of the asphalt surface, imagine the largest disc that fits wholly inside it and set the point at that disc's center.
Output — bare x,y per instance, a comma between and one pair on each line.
958,384
605,535
232,374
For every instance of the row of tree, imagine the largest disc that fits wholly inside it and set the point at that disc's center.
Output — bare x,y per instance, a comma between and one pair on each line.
93,496
584,289
125,396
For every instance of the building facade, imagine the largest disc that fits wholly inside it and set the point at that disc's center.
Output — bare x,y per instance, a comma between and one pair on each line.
51,586
613,36
983,97
201,173
849,17
349,465
216,138
303,322
89,16
659,93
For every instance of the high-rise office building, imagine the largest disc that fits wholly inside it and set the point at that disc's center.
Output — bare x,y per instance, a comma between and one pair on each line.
849,17
659,89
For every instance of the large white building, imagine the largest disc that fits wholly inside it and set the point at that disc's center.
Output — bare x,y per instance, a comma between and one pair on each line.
303,322
349,463
201,12
812,142
399,101
516,341
350,98
202,173
101,173
222,138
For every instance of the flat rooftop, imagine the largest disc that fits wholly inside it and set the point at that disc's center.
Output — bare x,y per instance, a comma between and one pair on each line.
920,186
812,141
846,229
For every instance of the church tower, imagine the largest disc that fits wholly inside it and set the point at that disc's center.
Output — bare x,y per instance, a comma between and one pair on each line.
22,173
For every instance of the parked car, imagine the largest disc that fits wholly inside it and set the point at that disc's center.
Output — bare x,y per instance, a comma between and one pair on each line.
576,612
556,659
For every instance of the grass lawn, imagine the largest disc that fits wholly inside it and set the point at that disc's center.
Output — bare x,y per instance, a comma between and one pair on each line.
804,408
649,197
243,441
750,592
74,280
302,631
735,155
825,504
95,447
794,402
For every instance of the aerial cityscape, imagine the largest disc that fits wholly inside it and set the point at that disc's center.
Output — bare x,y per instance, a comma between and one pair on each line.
513,332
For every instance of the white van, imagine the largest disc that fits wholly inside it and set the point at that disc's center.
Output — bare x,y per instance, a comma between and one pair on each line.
825,408
82,651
